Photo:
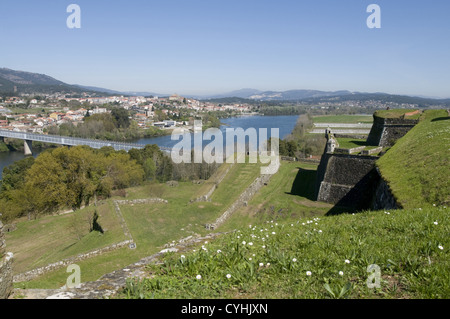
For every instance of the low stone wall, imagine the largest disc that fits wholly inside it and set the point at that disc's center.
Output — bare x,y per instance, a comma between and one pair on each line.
6,270
289,158
141,201
354,136
241,201
111,283
29,275
372,151
64,263
207,196
349,150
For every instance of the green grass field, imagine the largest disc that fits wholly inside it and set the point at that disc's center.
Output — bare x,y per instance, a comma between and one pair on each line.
151,226
46,240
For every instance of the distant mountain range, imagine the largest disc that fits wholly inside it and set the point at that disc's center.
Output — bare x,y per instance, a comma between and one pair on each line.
12,81
290,95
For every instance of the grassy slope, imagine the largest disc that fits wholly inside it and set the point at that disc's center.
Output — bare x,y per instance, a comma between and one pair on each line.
288,195
37,243
417,167
410,247
151,226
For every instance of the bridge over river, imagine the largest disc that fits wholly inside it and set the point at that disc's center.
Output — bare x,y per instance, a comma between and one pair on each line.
68,141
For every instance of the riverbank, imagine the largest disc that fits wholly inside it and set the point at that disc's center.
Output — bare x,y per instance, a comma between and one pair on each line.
285,124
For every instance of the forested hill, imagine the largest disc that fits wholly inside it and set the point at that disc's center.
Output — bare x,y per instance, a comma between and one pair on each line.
14,82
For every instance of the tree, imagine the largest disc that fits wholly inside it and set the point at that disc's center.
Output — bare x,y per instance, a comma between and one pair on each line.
121,117
14,174
45,190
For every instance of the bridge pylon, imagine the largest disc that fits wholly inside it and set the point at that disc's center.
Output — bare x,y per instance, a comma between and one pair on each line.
28,147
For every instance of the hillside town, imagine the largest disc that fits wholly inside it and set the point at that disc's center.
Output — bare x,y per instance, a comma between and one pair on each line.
41,112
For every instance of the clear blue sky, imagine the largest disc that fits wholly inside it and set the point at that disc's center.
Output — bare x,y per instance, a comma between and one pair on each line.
215,46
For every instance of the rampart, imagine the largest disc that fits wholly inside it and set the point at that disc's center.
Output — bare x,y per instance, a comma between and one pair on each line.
383,198
385,131
347,180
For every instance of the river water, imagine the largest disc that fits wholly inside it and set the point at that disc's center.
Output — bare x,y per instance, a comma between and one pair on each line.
285,124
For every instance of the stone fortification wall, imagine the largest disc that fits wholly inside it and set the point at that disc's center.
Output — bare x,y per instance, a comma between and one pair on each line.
6,271
383,197
385,131
346,180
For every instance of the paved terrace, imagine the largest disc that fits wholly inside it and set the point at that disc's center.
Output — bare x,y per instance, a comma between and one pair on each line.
342,128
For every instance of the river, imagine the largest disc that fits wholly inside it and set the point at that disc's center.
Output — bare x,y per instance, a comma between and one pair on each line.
285,124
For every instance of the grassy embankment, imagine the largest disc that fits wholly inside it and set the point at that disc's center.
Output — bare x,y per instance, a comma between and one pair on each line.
324,257
328,257
417,167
